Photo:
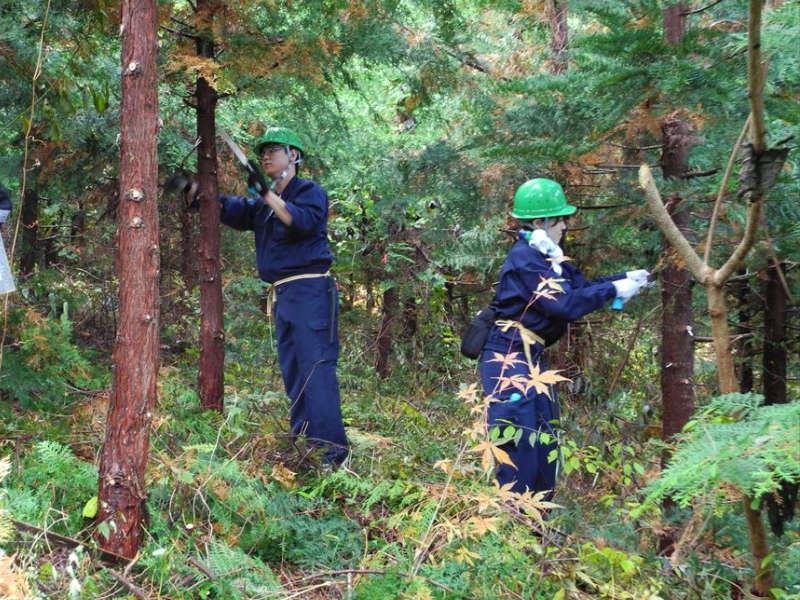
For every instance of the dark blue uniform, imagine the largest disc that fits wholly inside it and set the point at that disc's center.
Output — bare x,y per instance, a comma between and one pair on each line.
5,205
545,310
306,311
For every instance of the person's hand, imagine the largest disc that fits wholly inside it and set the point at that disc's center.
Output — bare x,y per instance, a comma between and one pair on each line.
627,288
640,276
4,215
256,183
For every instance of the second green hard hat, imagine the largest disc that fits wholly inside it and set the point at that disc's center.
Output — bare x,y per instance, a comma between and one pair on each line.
280,135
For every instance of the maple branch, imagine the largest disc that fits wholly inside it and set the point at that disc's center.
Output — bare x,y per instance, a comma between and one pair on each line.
747,241
721,194
667,226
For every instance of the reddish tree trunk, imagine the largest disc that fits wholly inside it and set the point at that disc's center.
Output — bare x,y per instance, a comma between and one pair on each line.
774,359
212,334
677,338
123,459
677,342
391,306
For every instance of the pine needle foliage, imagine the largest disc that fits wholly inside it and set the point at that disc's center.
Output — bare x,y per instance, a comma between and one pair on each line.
734,447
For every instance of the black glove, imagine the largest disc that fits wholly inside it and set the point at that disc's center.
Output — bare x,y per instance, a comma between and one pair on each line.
256,183
179,183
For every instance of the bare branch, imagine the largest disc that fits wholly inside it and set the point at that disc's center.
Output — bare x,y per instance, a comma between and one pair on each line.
667,226
748,239
686,13
723,185
756,78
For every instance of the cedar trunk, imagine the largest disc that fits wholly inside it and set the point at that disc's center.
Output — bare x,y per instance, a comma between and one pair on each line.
123,459
212,333
677,341
774,359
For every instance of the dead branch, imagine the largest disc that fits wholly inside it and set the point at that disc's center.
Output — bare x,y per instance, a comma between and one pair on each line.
129,585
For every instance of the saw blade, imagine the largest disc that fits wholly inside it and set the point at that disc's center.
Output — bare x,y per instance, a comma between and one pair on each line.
240,155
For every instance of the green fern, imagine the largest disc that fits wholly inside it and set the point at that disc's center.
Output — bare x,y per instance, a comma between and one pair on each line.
735,442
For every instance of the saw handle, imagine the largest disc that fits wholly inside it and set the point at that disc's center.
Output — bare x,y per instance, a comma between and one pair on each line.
256,182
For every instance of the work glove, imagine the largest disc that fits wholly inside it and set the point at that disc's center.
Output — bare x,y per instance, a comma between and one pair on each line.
640,275
627,288
256,183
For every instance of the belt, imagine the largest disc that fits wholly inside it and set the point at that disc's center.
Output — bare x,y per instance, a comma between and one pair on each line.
273,298
528,337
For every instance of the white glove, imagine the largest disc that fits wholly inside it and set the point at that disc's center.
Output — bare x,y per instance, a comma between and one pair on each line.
639,276
627,288
542,242
4,215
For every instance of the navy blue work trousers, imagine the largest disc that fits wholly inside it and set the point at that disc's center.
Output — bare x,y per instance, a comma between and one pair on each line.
534,414
307,328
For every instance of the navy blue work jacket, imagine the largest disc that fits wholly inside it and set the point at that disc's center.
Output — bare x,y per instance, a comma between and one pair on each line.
549,312
283,251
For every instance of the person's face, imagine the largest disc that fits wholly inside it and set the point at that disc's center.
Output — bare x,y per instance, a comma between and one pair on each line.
274,159
556,229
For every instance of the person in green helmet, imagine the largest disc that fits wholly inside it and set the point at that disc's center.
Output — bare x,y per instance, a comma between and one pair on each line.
290,222
537,296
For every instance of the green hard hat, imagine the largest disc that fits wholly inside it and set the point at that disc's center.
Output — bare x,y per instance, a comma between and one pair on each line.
282,136
539,198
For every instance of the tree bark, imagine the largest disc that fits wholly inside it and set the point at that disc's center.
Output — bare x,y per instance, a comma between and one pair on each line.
774,358
744,346
123,459
677,343
212,334
391,306
559,34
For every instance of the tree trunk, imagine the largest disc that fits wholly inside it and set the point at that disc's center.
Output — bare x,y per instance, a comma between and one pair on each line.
410,316
774,359
559,38
677,341
212,333
759,547
677,338
744,345
29,247
717,310
391,306
123,459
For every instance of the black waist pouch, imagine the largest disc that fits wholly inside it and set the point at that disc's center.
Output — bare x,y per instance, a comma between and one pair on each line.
475,336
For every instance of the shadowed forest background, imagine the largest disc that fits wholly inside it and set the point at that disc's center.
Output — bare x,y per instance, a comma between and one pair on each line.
680,455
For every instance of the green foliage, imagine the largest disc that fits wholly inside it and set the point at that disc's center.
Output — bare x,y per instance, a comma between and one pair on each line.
733,443
53,487
45,364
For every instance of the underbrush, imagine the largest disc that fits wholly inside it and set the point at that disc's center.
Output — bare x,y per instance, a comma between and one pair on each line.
236,511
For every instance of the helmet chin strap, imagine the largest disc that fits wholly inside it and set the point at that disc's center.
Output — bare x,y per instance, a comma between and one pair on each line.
285,172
